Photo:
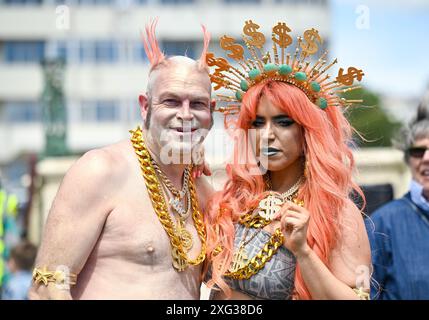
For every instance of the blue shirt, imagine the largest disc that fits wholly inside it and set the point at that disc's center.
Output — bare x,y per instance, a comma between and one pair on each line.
17,287
400,248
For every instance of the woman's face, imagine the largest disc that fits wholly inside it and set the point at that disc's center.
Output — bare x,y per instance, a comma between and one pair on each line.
279,140
419,165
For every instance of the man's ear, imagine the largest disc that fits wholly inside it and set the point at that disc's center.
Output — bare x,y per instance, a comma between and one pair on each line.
144,105
212,105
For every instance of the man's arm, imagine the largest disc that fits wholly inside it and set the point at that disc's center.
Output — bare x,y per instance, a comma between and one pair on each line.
76,219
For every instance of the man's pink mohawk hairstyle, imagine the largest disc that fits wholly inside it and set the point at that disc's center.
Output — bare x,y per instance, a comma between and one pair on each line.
202,61
151,46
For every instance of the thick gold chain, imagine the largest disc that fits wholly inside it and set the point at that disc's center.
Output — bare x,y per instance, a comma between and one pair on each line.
260,259
270,248
250,220
180,259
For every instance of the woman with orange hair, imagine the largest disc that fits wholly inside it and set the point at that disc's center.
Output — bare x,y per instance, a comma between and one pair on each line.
284,226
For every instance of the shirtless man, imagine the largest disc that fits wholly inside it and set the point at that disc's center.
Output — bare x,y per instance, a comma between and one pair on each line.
102,225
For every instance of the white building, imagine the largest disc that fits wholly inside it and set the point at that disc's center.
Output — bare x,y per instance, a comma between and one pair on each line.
106,66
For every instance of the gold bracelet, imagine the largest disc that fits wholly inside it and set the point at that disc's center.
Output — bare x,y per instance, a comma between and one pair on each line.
361,293
42,275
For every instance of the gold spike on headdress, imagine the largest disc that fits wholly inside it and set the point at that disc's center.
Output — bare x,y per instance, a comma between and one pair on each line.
292,67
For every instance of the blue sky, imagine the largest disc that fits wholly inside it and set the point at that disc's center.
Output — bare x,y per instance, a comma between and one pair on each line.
393,51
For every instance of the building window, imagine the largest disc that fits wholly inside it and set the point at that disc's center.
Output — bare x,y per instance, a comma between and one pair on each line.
23,51
96,2
22,2
177,1
100,111
22,112
100,51
313,2
106,51
179,48
242,1
139,55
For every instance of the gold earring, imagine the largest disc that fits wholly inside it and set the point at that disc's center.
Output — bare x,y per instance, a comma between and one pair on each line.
306,168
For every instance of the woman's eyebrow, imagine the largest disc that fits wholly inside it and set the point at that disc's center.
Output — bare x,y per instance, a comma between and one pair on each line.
281,116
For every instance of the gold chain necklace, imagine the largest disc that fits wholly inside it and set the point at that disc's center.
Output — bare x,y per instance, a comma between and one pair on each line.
180,258
241,268
167,182
178,196
244,270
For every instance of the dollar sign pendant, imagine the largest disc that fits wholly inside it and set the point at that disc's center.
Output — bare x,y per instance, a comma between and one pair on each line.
184,236
228,43
178,262
258,38
310,36
281,30
270,206
239,259
347,79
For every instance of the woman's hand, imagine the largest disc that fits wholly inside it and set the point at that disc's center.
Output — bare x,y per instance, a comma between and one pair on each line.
294,224
200,165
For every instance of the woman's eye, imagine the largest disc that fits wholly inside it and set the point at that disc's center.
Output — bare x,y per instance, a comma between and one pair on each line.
257,123
285,122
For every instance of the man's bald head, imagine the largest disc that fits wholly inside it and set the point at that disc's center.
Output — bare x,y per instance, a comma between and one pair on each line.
176,64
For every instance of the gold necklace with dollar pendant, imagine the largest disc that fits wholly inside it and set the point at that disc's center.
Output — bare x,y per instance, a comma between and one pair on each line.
184,234
178,196
271,205
180,260
177,205
240,257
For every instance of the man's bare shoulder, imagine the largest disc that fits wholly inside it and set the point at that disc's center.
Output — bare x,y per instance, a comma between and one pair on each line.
105,162
100,169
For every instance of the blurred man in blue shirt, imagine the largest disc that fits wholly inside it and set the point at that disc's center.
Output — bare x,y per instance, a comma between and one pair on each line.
400,239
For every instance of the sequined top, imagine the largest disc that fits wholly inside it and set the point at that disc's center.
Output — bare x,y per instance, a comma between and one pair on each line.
276,280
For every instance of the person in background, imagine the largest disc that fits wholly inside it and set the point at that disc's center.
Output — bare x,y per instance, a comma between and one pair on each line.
20,263
399,230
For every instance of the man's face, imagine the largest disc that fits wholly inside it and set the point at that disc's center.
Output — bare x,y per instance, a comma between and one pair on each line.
419,165
179,107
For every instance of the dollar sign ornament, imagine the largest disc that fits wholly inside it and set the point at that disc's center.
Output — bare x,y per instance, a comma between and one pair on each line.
270,206
239,259
310,45
281,30
178,262
185,237
228,44
220,63
258,38
352,73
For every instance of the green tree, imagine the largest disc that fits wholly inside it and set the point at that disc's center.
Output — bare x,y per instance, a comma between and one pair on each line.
371,121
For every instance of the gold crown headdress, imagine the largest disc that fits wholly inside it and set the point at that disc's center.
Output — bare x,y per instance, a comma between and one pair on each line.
279,65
